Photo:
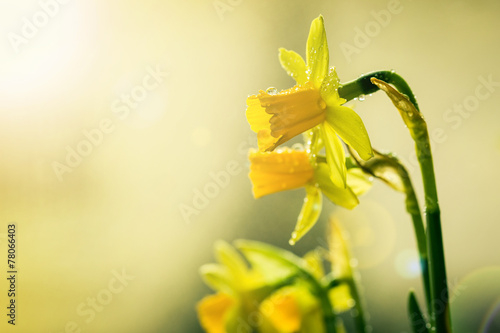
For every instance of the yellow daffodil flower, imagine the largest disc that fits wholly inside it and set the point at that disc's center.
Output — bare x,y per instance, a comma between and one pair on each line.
287,169
313,102
240,290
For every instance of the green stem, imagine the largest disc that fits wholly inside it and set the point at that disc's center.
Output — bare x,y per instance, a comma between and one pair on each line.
321,292
359,315
379,167
440,317
363,85
413,208
330,282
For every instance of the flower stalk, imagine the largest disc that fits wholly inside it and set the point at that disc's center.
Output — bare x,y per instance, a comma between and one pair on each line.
440,314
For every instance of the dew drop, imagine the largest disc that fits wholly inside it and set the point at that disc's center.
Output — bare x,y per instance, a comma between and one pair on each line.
321,104
272,91
361,98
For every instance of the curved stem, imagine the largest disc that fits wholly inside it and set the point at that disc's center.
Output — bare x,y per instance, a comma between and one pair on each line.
363,85
382,166
408,108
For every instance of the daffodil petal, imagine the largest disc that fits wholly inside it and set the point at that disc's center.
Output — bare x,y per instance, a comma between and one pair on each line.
358,181
272,172
309,214
285,315
217,277
329,88
349,126
317,52
230,258
335,155
339,251
212,311
341,196
294,65
315,263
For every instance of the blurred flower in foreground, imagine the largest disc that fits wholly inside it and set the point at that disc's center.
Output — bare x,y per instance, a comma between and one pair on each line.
313,102
240,290
287,169
278,293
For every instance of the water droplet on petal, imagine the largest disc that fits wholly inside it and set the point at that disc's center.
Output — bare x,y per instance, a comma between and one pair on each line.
361,98
321,104
272,91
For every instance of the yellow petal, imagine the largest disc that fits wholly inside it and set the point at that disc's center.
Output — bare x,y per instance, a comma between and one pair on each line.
349,126
294,65
339,250
315,263
317,52
212,311
218,277
309,213
344,197
329,89
335,155
283,312
272,172
230,258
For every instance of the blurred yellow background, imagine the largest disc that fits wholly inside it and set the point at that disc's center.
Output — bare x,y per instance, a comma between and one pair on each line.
115,115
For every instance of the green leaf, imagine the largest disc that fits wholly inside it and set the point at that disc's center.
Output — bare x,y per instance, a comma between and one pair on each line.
294,65
309,214
253,249
317,52
417,321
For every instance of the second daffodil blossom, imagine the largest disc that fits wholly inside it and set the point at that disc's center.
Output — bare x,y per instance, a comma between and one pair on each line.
313,103
288,169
